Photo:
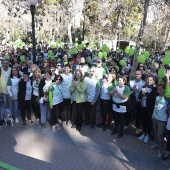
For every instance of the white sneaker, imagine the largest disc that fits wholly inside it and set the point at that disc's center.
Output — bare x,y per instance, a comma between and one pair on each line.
142,137
53,128
58,126
155,146
37,121
16,120
159,155
146,140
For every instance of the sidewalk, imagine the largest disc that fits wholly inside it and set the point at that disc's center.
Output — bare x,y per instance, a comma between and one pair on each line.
30,147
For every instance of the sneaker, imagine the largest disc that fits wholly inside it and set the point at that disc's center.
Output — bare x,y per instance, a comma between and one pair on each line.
37,121
146,140
120,135
142,137
53,128
159,155
16,120
155,146
114,132
165,156
58,126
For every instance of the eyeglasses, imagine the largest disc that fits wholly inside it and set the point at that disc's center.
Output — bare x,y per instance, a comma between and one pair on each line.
58,79
97,61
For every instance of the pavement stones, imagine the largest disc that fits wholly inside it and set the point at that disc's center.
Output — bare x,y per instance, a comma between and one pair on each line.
30,147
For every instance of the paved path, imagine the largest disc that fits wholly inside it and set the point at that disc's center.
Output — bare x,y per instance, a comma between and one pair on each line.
30,147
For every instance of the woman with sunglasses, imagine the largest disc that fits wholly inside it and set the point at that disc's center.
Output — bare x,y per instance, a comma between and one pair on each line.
56,99
12,87
78,98
45,67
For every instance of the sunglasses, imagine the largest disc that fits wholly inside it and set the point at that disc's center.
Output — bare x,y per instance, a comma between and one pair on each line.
98,62
58,79
58,65
140,66
45,62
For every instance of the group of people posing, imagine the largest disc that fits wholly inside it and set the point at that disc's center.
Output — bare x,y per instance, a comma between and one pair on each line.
71,90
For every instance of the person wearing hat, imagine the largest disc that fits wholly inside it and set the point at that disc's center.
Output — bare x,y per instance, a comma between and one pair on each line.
100,71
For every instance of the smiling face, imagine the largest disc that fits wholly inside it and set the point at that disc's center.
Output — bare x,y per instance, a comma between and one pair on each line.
14,72
150,81
78,75
161,90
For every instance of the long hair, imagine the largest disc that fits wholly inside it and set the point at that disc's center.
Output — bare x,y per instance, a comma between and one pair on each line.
78,70
11,75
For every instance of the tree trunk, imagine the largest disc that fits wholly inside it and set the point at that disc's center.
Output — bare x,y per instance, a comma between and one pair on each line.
141,31
69,33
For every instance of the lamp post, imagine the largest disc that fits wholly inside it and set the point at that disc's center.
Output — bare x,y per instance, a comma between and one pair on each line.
32,4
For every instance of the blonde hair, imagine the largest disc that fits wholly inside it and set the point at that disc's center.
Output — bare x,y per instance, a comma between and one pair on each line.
37,70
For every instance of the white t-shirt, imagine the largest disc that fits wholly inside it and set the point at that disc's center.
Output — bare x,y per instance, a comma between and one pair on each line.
13,88
117,99
28,91
91,88
104,93
160,108
67,79
45,89
139,84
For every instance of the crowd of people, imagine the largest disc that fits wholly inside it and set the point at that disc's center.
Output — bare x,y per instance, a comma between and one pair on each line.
68,88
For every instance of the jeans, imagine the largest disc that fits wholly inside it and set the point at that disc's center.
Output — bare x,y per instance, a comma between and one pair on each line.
45,112
15,108
7,102
90,113
159,129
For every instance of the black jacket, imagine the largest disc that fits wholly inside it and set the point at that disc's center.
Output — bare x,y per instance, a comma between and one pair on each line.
150,101
22,90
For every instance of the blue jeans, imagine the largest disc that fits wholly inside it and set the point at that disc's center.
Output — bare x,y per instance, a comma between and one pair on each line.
45,112
15,108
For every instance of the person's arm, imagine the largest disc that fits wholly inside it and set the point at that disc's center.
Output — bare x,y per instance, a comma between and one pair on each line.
167,94
81,88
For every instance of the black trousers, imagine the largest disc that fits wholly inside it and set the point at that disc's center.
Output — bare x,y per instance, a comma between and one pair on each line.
55,112
90,113
66,109
119,121
36,106
138,114
105,106
78,109
146,120
25,108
